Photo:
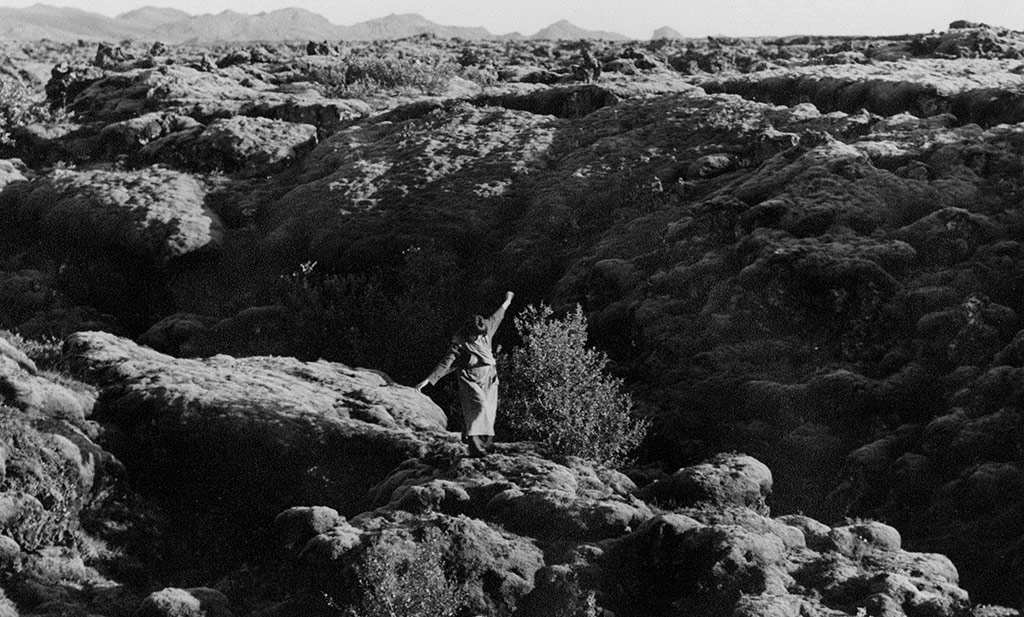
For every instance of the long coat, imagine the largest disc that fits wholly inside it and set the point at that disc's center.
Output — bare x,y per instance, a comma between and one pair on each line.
478,378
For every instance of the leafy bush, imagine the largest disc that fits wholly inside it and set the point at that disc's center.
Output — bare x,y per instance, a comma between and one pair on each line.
360,75
327,312
555,390
15,103
20,105
45,350
387,319
44,480
990,610
406,581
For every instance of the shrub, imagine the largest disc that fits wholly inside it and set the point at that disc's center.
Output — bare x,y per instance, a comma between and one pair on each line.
327,312
44,483
405,581
555,390
361,75
387,319
20,105
45,350
480,75
15,101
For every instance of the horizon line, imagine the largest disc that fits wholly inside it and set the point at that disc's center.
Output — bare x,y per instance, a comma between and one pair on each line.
116,13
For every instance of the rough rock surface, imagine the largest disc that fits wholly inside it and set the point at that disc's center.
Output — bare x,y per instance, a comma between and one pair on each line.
986,92
53,478
195,602
566,501
153,213
11,170
169,334
719,481
719,558
406,556
204,96
447,170
256,145
128,136
233,441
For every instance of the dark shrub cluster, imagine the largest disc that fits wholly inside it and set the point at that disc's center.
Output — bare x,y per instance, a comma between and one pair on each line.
393,319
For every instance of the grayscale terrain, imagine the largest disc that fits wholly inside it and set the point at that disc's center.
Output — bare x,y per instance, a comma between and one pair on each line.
230,244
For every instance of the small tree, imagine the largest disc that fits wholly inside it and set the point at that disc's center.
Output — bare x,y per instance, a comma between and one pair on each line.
555,390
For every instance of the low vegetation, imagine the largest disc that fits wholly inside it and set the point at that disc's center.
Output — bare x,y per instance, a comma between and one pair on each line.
43,350
41,482
409,584
359,319
557,390
361,75
20,105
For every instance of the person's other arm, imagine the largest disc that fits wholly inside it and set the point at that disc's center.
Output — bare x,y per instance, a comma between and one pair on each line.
443,368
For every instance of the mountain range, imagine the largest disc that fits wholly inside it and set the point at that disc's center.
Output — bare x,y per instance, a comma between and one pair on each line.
41,21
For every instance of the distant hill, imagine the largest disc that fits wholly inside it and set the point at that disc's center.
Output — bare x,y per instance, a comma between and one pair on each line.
152,17
227,26
562,30
665,33
174,26
62,24
401,26
299,23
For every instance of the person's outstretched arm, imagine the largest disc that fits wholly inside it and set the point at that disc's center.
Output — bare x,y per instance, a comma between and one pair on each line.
495,320
443,368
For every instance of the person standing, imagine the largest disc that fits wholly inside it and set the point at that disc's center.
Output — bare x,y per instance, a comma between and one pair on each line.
470,354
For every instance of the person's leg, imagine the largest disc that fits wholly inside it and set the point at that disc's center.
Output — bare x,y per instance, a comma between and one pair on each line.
486,442
479,445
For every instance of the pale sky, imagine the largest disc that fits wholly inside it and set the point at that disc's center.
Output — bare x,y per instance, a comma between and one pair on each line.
633,18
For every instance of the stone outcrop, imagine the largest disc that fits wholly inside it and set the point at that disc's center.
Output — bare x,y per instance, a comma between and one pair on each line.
401,559
204,96
154,214
55,477
11,170
988,95
521,492
396,173
256,145
175,602
726,480
248,437
129,136
716,557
